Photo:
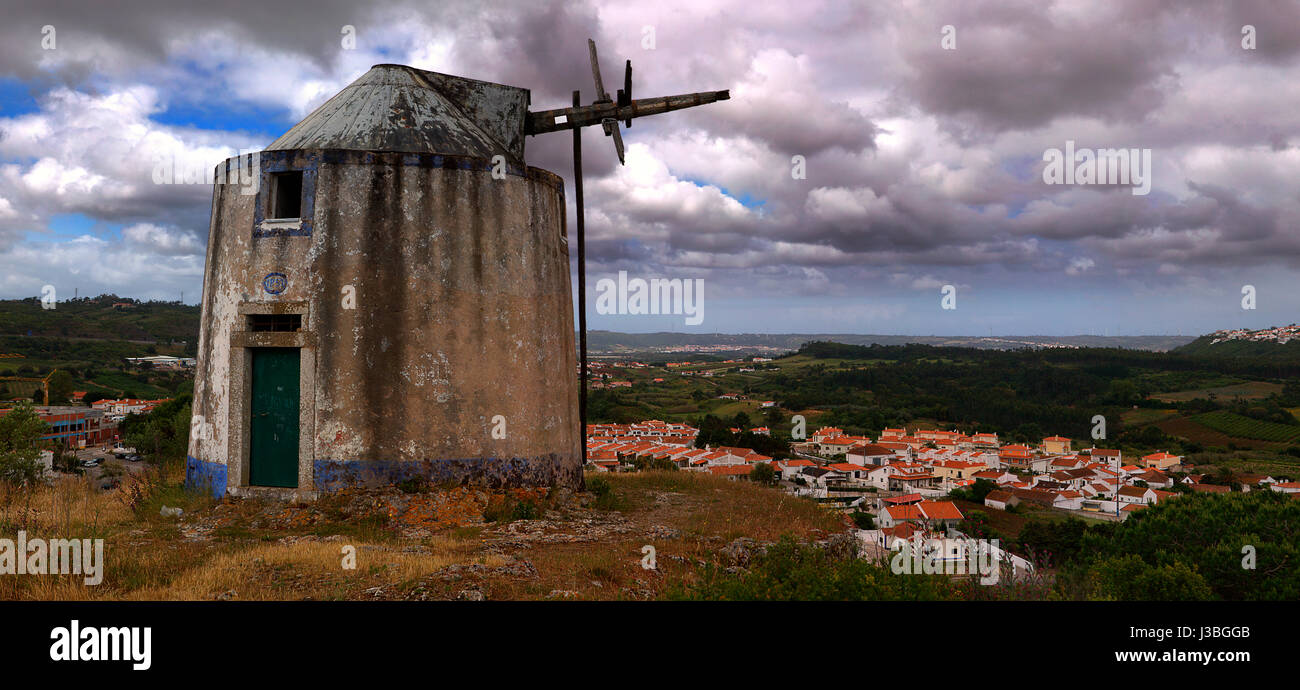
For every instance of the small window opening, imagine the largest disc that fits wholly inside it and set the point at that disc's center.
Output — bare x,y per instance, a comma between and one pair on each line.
274,323
286,195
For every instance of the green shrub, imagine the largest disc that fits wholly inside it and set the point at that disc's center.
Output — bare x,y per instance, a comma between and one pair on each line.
790,571
1129,578
863,520
524,510
606,499
763,474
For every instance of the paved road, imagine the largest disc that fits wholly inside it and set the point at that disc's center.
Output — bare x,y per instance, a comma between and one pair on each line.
98,474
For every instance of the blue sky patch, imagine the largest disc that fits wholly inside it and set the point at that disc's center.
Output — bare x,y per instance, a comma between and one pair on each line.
746,199
16,98
227,117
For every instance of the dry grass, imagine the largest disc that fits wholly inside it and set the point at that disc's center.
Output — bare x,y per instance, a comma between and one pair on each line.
260,572
302,570
721,507
250,550
69,507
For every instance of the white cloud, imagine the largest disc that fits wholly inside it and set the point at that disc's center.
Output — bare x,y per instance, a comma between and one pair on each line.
1079,265
159,240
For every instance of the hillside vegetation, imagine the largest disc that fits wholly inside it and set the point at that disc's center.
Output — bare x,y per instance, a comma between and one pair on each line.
98,318
88,339
1254,349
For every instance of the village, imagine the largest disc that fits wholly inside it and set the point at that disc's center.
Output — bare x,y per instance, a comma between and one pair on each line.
89,435
905,479
1277,334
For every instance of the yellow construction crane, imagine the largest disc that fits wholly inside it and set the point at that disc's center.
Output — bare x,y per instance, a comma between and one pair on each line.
45,382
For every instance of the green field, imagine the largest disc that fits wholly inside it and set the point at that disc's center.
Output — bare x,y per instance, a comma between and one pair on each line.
1142,416
1249,390
1245,427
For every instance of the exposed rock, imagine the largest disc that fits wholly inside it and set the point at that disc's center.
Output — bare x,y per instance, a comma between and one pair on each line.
458,571
741,551
843,546
561,497
661,532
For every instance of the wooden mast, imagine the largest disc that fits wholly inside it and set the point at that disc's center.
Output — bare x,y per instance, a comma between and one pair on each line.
607,113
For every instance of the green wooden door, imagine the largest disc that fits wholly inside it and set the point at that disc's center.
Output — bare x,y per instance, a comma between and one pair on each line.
273,422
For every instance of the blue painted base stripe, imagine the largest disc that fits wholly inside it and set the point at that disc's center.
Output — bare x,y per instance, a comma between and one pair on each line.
545,470
205,476
331,475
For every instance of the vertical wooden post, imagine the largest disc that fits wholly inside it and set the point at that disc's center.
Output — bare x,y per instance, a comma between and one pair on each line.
582,280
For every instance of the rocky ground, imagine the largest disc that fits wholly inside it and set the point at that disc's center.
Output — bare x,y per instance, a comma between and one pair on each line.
633,539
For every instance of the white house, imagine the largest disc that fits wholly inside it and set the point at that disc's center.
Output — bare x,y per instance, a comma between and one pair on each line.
879,476
1001,499
793,466
869,454
815,476
1136,494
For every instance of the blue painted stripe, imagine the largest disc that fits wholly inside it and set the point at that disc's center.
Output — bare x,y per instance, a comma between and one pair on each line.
544,470
205,476
332,475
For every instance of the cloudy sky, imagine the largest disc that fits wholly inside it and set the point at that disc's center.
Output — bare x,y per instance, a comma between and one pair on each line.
922,128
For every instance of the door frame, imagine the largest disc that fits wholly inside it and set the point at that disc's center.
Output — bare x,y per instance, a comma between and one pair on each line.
242,343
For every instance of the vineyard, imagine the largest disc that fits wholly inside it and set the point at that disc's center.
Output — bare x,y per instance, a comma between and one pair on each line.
1245,427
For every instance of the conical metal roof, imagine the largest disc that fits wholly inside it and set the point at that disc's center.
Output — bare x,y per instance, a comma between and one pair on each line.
403,109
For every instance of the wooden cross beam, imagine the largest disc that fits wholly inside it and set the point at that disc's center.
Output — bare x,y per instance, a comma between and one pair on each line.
544,121
607,112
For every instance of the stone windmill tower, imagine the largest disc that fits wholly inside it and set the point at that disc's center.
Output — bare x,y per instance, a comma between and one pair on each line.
393,299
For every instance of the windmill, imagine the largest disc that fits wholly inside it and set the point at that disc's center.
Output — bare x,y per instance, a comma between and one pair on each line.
606,112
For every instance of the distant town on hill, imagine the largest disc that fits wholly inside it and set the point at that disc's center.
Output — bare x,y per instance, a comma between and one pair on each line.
1276,342
114,318
613,343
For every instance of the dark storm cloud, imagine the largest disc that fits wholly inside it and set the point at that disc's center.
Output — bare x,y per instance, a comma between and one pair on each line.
144,30
1017,67
919,160
1277,26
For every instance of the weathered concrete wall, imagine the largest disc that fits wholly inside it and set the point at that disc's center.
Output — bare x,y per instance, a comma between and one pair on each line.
462,313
